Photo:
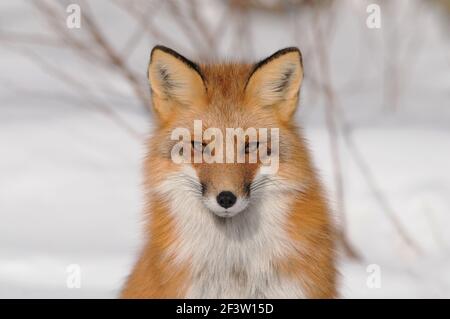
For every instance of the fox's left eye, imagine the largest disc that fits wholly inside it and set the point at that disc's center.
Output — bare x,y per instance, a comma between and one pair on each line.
251,147
198,146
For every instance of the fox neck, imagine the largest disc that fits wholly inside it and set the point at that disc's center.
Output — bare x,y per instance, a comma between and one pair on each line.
232,257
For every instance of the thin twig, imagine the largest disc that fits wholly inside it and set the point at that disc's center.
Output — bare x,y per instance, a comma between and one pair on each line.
146,23
80,87
187,29
375,189
115,59
29,38
202,28
333,112
330,117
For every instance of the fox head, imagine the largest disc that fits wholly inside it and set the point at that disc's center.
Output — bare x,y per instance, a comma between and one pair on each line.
223,96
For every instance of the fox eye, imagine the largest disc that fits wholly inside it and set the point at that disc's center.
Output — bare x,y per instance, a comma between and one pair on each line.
251,147
196,145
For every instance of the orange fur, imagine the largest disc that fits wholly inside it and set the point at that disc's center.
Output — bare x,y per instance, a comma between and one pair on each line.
226,102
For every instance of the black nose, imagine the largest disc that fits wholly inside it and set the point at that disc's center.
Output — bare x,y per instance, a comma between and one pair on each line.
226,199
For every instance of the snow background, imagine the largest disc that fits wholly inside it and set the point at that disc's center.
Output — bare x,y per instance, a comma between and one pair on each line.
70,177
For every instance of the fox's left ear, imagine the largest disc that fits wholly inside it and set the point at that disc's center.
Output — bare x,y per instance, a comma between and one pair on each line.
275,82
176,82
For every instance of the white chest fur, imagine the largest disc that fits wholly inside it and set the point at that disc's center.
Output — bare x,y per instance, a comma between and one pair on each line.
233,257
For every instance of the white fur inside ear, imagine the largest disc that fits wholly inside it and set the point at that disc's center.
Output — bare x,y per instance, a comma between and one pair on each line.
175,78
169,79
280,83
166,78
277,81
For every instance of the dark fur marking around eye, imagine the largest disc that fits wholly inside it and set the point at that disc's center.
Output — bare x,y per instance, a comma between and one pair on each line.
204,188
247,189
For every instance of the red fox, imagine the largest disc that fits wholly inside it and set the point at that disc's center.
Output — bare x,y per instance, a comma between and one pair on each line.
225,230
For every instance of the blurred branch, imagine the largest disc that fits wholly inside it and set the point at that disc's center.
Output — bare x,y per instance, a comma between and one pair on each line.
105,54
140,31
81,90
435,232
401,51
330,113
243,39
29,38
115,58
209,38
146,22
187,29
332,116
54,18
375,189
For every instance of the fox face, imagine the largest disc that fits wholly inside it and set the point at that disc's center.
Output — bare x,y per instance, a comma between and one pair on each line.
235,209
248,101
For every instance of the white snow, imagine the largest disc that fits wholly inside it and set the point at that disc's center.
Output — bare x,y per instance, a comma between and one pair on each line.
70,177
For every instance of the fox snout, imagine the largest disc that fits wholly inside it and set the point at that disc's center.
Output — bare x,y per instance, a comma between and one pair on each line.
225,189
226,203
226,199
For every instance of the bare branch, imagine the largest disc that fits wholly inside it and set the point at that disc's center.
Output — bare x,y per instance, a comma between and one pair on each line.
115,59
81,88
331,117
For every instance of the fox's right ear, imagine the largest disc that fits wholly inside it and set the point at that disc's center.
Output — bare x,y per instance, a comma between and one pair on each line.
275,82
175,82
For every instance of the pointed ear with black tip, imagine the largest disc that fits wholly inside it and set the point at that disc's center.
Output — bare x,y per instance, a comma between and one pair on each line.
175,81
275,82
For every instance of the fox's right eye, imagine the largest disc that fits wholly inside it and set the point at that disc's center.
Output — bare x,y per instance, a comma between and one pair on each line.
251,147
198,146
